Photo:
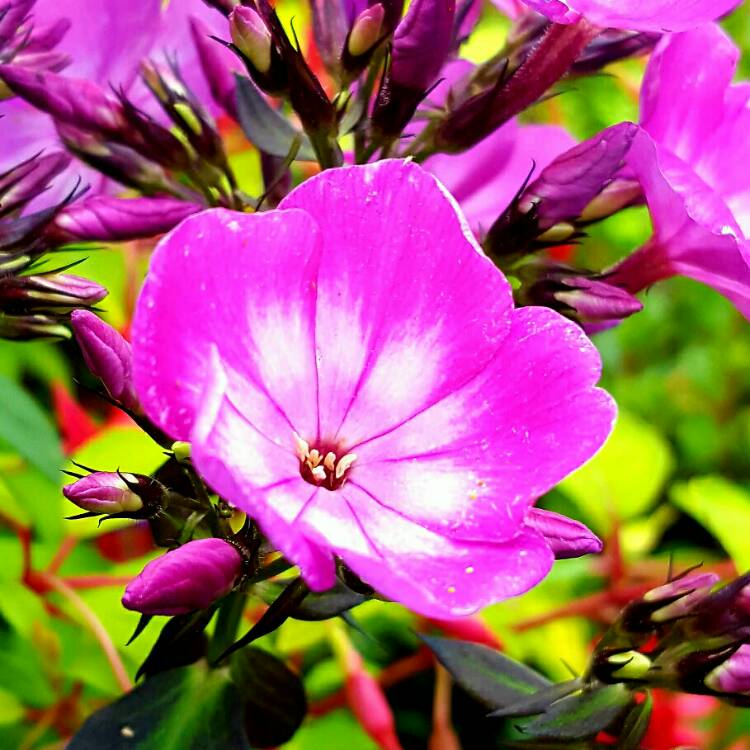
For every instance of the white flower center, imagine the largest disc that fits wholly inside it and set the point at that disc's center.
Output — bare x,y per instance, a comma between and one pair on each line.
322,467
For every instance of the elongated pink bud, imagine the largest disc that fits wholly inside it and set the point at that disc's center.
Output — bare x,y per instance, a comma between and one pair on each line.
107,219
107,355
104,492
567,538
191,577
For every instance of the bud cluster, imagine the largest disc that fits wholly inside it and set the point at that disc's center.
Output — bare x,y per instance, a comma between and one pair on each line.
685,635
109,132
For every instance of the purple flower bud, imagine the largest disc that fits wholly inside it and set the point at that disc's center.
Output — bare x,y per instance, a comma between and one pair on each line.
69,100
13,17
574,179
29,327
107,355
104,492
191,577
545,64
567,538
733,676
53,291
680,596
595,301
105,219
27,180
421,43
332,20
217,65
251,37
613,45
367,31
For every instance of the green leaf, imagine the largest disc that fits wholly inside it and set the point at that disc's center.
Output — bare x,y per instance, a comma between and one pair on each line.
581,716
487,675
275,703
24,426
722,508
192,708
265,127
22,671
636,725
625,478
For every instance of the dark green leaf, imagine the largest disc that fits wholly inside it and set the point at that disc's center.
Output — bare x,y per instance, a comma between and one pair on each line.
181,642
191,708
275,703
24,427
581,716
538,702
321,606
268,129
275,616
487,675
636,725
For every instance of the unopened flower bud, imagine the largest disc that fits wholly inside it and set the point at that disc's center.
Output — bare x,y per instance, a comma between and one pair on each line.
681,596
733,676
421,43
28,327
217,64
191,577
567,538
107,355
619,194
251,37
594,301
569,184
367,31
51,291
73,101
26,181
181,450
629,665
105,492
106,219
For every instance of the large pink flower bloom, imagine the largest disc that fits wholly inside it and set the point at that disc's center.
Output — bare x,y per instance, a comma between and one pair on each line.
351,372
641,15
692,163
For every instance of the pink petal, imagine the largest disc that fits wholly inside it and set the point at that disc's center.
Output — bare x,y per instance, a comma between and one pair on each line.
429,573
640,15
470,465
695,234
243,286
682,98
408,306
258,476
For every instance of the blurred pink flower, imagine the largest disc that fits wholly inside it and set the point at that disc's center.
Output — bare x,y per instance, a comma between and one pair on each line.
351,372
640,15
692,164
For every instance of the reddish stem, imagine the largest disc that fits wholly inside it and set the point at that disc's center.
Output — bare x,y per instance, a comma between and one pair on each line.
67,545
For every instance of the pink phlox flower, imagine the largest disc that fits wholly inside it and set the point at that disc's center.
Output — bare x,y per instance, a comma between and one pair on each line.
352,373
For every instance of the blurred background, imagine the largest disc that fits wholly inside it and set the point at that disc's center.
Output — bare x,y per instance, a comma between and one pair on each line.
672,486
